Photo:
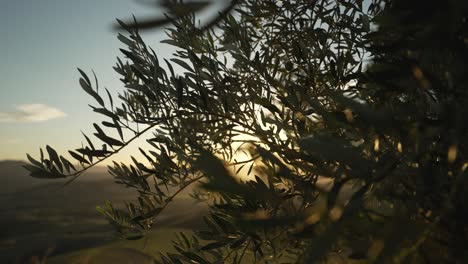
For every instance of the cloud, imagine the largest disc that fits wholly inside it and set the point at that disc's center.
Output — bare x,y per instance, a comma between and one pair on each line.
31,113
11,141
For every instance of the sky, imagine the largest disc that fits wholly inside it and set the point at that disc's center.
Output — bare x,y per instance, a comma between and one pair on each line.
41,45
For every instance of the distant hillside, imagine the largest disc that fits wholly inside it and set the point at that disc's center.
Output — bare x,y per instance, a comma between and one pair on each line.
19,191
14,178
37,213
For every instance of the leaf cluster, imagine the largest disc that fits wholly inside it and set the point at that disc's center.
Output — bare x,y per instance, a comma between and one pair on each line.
341,151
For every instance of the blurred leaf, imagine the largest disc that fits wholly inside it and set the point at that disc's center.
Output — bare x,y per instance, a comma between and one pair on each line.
336,149
176,10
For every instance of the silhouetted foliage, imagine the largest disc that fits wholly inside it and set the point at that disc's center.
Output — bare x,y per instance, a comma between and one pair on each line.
351,116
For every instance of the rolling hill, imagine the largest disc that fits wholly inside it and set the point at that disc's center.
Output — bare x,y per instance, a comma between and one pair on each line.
44,215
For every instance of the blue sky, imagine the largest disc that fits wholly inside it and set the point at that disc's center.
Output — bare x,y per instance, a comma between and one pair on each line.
42,44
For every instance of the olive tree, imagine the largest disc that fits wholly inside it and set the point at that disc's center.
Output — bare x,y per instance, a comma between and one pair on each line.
315,131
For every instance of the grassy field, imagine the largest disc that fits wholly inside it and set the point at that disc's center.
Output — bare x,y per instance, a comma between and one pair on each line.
45,218
124,251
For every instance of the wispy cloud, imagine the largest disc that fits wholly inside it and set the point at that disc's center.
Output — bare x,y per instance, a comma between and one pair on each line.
10,141
31,113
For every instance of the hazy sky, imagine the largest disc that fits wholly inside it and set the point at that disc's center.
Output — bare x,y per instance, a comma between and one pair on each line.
42,44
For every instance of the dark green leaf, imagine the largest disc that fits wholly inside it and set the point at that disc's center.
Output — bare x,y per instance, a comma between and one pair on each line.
78,157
